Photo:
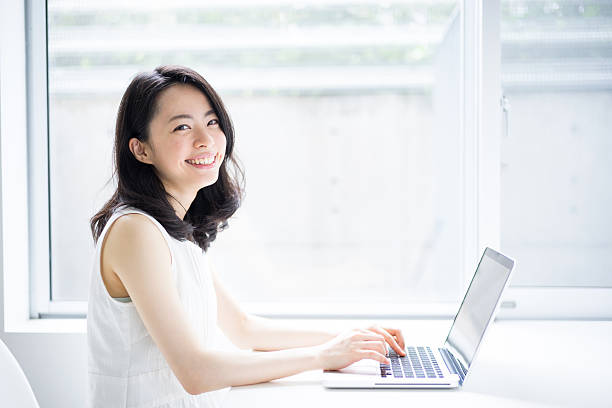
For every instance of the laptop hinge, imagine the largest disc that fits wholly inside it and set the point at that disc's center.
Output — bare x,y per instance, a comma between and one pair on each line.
452,364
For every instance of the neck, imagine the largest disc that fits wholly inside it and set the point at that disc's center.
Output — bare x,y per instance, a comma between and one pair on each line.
180,202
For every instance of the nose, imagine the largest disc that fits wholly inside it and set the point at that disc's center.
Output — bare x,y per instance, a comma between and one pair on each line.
204,138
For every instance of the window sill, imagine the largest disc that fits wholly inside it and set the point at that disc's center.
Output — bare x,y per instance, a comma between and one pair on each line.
56,326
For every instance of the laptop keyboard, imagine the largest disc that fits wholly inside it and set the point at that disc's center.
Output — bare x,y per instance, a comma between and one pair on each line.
419,362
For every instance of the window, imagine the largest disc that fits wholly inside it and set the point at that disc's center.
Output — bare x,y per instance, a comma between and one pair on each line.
348,125
555,196
319,91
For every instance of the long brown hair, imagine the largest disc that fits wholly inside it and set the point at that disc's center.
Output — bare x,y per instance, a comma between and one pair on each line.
138,185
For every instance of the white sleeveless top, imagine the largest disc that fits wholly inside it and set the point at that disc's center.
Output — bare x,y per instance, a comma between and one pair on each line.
126,369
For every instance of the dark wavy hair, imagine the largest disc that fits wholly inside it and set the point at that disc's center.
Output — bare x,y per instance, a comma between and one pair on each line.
137,183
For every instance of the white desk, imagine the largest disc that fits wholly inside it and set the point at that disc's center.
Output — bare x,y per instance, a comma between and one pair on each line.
520,364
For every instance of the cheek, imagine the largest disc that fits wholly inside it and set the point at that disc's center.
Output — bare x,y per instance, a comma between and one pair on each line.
179,149
177,144
221,142
174,151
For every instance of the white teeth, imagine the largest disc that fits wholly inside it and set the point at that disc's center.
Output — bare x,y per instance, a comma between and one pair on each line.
202,161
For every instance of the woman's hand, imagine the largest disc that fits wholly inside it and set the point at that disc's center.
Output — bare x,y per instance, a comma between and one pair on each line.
353,345
392,336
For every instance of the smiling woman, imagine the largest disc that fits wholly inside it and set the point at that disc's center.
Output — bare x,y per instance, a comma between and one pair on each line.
154,300
165,119
169,121
185,141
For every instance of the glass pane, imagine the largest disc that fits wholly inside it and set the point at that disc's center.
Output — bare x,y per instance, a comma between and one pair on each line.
347,123
556,196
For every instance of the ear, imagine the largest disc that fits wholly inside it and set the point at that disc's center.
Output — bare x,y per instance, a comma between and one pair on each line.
140,150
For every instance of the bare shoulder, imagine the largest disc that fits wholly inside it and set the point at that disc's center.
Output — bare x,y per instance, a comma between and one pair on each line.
141,259
133,239
132,224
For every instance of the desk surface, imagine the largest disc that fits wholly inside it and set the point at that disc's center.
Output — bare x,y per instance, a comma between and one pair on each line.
520,364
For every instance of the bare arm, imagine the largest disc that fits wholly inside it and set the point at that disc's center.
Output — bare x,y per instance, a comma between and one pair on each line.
137,252
248,331
239,367
266,334
258,333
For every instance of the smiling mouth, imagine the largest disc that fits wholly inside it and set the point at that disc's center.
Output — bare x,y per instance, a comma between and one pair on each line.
208,161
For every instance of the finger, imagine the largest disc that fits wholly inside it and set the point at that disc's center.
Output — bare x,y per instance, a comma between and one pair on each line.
400,337
372,336
374,356
390,339
376,330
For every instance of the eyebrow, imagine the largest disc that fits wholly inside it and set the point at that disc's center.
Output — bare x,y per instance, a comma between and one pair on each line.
186,116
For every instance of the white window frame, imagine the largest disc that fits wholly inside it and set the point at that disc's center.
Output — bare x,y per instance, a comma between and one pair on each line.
41,305
17,220
26,296
522,302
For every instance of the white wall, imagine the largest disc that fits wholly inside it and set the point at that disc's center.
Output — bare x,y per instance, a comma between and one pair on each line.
55,365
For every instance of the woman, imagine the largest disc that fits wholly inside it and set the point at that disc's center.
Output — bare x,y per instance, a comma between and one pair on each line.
154,300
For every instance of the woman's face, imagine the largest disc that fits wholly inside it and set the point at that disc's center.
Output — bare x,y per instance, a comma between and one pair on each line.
186,143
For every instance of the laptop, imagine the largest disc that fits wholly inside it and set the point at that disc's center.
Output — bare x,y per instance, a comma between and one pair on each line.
434,366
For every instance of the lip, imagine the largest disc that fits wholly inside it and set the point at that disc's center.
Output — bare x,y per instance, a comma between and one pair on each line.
203,156
204,166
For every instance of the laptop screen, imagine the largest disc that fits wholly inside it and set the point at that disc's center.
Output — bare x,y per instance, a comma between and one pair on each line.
478,305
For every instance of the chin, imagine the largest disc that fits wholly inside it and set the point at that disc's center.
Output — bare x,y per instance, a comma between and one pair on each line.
208,182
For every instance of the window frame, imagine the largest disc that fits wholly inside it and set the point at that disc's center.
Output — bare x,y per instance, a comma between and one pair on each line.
25,188
17,226
44,307
41,304
520,301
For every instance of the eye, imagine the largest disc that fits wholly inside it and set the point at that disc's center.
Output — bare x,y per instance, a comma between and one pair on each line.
181,127
213,122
